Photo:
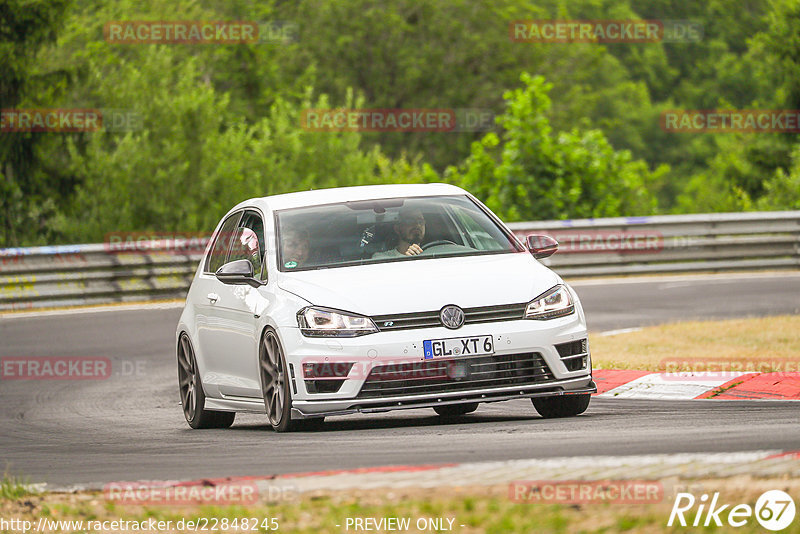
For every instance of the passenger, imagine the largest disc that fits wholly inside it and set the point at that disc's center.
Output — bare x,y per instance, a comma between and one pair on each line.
247,248
296,247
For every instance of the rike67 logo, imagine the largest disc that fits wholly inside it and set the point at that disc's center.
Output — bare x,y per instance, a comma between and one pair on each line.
774,510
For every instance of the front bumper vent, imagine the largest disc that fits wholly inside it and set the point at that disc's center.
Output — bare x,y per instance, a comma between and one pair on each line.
323,386
574,354
325,377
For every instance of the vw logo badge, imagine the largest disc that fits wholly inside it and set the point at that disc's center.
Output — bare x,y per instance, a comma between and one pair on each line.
452,317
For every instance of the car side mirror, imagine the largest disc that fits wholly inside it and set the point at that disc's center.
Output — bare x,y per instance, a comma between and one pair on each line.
238,272
542,246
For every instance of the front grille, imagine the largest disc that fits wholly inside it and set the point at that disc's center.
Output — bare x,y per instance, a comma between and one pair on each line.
442,376
574,354
429,319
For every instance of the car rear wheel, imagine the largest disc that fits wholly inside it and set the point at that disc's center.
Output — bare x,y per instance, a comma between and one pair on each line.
275,383
193,399
453,410
564,406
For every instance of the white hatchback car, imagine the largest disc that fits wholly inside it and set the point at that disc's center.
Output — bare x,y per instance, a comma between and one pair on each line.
376,298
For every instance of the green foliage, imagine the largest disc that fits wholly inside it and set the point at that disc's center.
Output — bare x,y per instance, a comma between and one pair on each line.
782,191
535,174
458,54
222,123
13,487
25,193
193,159
782,40
733,170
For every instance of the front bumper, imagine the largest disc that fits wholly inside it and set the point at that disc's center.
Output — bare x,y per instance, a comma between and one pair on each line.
510,338
578,386
366,352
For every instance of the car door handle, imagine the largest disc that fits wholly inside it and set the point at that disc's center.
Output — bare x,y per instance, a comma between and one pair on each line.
213,297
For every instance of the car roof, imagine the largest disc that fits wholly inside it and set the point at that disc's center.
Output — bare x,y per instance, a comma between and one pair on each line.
343,194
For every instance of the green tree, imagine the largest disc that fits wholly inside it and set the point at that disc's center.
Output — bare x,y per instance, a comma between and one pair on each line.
533,173
734,168
25,192
190,158
782,190
459,54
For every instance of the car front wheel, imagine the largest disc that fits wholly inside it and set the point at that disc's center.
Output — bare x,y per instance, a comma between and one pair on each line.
275,383
563,406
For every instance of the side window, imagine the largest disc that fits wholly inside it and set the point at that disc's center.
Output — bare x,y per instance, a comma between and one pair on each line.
222,243
249,242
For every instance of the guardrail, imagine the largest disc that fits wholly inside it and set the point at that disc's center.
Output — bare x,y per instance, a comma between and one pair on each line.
69,275
672,243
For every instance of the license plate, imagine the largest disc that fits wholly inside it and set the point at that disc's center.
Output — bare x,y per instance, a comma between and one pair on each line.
458,346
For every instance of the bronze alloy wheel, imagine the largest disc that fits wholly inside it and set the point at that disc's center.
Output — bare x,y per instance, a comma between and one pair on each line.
275,383
193,399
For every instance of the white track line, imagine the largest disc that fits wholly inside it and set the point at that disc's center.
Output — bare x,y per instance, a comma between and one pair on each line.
620,331
680,386
135,306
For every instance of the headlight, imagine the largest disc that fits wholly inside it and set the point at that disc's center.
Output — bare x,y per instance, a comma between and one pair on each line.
555,302
325,322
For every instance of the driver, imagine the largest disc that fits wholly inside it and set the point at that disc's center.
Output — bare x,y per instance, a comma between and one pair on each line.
409,232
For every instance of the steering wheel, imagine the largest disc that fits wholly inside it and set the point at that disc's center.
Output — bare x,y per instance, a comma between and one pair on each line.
426,246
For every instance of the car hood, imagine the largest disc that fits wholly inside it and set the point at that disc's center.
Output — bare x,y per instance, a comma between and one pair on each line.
423,285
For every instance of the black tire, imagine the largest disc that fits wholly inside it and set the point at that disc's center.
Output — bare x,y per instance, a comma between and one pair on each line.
275,383
193,399
564,406
454,410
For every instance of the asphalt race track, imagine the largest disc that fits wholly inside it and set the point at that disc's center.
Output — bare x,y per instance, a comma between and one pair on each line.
131,427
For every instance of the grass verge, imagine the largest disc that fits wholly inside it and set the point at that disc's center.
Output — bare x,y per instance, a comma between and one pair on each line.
759,344
13,488
471,509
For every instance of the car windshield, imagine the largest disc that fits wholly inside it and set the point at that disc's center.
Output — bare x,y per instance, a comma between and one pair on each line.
396,229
